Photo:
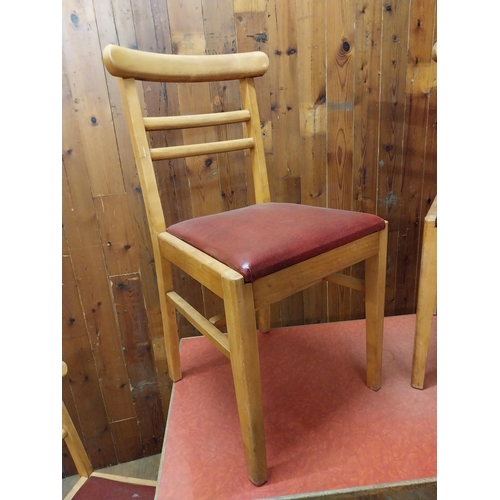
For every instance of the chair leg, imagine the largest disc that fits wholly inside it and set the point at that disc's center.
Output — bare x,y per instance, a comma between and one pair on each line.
169,319
243,347
264,319
426,300
375,272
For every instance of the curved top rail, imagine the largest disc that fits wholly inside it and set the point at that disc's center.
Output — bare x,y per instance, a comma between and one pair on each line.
153,67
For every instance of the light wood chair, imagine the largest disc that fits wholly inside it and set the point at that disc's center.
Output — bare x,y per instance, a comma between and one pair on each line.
96,485
427,290
251,257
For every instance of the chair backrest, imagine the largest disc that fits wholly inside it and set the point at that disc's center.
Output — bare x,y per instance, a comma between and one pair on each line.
130,66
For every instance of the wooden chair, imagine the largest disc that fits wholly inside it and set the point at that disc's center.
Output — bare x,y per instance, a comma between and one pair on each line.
427,290
251,257
95,485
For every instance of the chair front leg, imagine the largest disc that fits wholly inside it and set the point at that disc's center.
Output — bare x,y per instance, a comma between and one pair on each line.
243,347
375,273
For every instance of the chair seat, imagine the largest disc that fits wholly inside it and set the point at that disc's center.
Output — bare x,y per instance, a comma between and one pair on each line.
276,235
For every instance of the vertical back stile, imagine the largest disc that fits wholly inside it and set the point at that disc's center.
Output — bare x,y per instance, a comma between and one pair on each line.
142,155
259,170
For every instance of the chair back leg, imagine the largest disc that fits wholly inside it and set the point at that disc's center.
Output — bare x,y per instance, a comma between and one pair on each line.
375,271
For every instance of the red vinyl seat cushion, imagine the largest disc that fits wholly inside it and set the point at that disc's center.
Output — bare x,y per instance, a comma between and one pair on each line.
261,239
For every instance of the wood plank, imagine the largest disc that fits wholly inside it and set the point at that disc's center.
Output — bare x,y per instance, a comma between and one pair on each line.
91,412
340,93
421,36
311,54
138,352
151,418
115,223
340,101
367,57
82,57
80,225
81,230
90,272
283,71
127,440
82,393
395,17
64,243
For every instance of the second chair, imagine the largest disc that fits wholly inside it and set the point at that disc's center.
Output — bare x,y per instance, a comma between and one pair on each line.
251,257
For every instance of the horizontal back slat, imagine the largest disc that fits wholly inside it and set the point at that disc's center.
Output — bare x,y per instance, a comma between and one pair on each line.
192,121
205,148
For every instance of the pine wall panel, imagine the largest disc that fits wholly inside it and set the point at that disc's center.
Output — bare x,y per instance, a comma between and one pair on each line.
348,116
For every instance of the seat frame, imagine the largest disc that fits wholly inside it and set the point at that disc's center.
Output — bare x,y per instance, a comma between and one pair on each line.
247,305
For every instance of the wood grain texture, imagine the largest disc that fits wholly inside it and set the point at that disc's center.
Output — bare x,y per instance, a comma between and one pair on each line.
138,352
394,63
311,56
420,42
340,43
360,82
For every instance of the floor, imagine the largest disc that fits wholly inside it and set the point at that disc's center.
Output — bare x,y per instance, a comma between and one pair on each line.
384,443
326,431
